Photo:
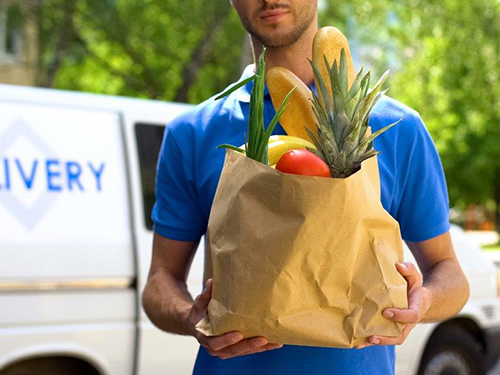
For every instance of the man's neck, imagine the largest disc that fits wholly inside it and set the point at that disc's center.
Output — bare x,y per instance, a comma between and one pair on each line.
293,57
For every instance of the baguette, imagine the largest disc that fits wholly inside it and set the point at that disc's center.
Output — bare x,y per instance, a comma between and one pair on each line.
329,41
299,113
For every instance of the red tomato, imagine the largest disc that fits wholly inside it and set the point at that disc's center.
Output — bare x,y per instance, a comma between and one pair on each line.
303,162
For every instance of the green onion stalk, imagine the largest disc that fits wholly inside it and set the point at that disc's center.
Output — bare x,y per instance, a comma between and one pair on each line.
257,136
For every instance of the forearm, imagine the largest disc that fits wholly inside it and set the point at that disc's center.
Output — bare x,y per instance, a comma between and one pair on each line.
167,302
446,291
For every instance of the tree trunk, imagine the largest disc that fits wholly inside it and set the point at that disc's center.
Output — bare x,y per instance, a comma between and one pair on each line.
65,38
199,55
197,60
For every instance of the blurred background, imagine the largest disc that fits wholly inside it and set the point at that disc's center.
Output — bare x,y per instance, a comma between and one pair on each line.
186,51
62,285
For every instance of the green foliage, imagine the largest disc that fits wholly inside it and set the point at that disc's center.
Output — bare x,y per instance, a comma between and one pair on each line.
160,49
444,56
453,70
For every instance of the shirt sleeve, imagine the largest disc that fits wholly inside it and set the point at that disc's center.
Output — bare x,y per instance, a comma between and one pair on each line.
423,211
176,213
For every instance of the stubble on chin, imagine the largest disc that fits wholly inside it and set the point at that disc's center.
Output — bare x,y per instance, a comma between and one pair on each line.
279,39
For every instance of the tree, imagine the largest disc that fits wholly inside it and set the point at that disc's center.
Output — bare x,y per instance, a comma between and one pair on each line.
454,68
156,49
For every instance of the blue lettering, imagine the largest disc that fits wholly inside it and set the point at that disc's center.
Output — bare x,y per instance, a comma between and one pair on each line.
51,174
60,174
73,170
28,180
7,173
97,173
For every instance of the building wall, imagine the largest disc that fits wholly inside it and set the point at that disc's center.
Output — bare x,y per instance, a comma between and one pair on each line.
19,68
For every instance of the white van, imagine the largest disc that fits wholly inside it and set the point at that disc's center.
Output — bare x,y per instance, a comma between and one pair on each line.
77,178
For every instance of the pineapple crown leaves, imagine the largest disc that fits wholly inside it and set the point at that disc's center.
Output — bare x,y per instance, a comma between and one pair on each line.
342,117
257,136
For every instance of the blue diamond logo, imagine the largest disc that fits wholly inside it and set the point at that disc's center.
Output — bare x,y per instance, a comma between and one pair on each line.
28,215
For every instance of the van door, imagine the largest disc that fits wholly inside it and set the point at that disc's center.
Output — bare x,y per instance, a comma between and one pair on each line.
66,257
159,352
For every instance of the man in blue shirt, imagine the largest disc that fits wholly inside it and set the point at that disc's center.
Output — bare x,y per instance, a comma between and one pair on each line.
413,191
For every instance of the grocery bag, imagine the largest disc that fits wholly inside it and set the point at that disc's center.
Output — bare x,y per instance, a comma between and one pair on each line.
301,260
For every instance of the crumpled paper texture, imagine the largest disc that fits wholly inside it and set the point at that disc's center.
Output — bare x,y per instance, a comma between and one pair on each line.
301,260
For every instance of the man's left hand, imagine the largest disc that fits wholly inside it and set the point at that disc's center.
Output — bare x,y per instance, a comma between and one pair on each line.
418,304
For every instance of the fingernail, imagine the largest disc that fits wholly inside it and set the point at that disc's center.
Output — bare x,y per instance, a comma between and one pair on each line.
262,342
404,266
388,314
375,341
236,337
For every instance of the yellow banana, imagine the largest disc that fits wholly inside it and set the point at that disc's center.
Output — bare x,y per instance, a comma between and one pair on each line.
289,138
278,148
279,144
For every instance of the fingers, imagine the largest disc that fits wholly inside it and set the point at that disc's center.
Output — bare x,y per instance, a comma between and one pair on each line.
217,343
410,315
414,312
200,304
230,344
383,340
244,347
410,273
204,298
402,316
365,344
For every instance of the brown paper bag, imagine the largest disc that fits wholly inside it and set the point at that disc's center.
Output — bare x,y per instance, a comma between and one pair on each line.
301,260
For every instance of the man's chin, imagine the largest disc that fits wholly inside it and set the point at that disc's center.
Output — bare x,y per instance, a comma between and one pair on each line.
277,39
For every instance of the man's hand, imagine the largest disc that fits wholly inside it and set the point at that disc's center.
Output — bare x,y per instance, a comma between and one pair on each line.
418,304
230,344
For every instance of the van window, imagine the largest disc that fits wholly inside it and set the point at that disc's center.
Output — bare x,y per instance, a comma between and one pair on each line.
149,138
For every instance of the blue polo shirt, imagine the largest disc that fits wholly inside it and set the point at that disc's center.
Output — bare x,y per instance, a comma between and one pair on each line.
413,191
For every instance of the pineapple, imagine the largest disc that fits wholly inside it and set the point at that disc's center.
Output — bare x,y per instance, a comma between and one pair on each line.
342,117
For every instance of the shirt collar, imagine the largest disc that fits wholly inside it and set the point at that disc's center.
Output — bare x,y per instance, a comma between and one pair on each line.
243,93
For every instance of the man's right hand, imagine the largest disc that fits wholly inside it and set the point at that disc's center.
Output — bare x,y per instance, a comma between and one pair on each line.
230,344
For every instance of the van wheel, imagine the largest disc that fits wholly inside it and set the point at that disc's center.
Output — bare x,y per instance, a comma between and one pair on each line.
50,366
452,351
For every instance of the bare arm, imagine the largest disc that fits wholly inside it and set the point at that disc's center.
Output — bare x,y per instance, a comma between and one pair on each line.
166,299
171,308
445,287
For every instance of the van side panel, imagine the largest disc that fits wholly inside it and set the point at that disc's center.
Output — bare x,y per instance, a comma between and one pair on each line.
63,205
67,276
